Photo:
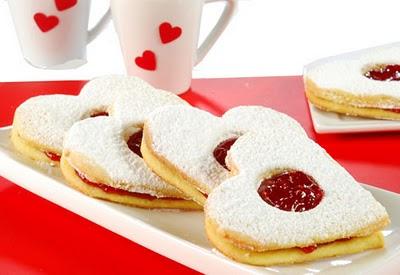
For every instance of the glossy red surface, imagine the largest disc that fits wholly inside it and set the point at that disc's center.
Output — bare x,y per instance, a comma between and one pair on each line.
385,73
109,189
37,236
309,249
53,156
134,142
112,190
291,191
221,151
312,248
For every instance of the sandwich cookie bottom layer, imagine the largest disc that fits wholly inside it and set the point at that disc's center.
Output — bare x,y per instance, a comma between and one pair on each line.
346,103
169,173
132,199
230,248
33,151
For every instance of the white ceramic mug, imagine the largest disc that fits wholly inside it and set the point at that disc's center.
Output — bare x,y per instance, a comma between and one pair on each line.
159,38
53,34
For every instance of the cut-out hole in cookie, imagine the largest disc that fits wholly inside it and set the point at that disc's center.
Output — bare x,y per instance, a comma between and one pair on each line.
95,113
221,151
291,191
100,113
135,141
384,72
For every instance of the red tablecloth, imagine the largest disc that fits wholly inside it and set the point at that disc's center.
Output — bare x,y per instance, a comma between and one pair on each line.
37,236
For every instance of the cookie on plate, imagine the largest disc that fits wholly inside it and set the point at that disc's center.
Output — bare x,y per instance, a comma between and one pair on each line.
364,84
102,158
41,122
289,202
187,146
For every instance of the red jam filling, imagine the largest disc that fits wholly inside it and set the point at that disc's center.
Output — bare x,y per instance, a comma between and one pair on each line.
112,190
312,248
221,151
99,114
394,110
134,143
309,249
385,73
53,156
291,191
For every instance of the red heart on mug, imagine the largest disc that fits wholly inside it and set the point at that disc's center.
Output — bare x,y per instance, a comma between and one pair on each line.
65,4
147,61
169,33
46,23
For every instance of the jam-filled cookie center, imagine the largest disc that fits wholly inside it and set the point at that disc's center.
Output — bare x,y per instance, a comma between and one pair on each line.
384,72
134,142
291,191
221,151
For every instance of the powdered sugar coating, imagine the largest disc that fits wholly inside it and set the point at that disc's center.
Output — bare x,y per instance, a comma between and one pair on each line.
187,137
236,206
346,73
134,108
45,119
101,141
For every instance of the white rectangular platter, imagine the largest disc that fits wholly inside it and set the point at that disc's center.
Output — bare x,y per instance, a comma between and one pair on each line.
329,122
180,235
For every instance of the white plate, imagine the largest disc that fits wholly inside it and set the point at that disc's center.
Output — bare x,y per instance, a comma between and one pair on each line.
329,122
180,235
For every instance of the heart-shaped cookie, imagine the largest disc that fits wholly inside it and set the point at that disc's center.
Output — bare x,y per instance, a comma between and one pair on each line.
41,122
101,155
187,146
290,202
364,84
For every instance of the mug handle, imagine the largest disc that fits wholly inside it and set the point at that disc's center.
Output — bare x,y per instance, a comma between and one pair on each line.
218,29
99,27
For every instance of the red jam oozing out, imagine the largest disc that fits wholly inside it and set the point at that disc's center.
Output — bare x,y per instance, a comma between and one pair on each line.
309,249
222,149
134,143
291,191
96,114
112,190
394,110
385,73
53,156
312,248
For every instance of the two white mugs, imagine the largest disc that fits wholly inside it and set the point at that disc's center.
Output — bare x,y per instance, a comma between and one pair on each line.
158,38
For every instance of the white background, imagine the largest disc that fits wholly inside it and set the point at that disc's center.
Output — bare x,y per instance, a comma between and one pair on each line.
265,38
